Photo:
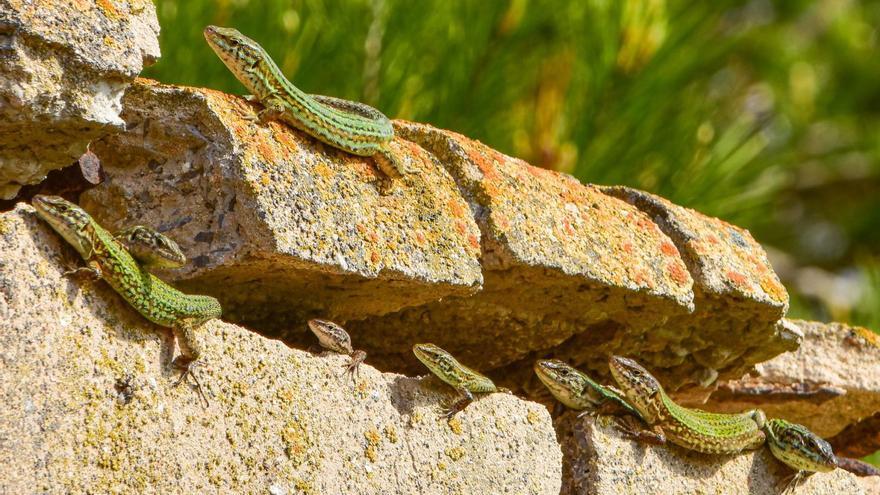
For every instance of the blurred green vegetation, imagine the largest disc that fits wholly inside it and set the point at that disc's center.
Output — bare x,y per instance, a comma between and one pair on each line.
766,114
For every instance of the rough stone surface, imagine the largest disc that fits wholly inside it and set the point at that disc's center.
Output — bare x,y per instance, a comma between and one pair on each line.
597,459
858,439
278,226
65,66
739,299
830,382
494,260
558,258
90,406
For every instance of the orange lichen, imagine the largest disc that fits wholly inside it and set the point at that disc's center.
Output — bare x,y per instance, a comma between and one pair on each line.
474,242
455,207
737,278
677,273
645,224
668,249
773,288
109,9
485,165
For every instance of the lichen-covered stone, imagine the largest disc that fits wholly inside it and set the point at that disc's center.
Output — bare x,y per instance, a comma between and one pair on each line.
89,405
63,69
597,459
559,259
280,227
830,382
739,300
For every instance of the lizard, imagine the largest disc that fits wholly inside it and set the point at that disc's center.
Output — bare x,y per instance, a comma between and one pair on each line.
108,259
578,391
693,429
716,433
350,126
333,337
463,379
800,449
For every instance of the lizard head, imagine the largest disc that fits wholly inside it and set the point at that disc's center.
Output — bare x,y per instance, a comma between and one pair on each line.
330,335
563,381
67,219
637,384
241,54
436,359
151,247
798,447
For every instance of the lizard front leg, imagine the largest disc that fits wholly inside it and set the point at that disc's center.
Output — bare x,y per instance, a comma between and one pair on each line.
190,351
357,357
631,428
92,270
466,398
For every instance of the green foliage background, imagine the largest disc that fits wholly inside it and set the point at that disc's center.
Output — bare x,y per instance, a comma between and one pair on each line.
766,114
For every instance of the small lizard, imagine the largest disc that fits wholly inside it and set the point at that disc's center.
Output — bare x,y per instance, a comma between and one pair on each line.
150,248
346,125
694,429
580,392
715,433
333,337
460,377
800,449
108,259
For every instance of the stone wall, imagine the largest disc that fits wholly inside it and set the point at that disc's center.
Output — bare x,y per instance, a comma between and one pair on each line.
495,260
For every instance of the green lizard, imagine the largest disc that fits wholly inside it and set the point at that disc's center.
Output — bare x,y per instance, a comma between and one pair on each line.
581,393
800,449
459,376
108,259
335,338
150,248
711,433
350,126
715,433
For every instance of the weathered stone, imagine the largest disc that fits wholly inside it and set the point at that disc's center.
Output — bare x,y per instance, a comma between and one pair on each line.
65,66
858,439
280,227
566,269
597,459
90,406
830,382
739,300
559,258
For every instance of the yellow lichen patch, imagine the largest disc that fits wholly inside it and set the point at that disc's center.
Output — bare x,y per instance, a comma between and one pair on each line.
303,486
871,337
390,433
296,440
533,417
454,453
109,9
454,425
373,441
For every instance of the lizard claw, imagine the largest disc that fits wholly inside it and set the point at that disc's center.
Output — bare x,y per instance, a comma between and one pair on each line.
187,367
